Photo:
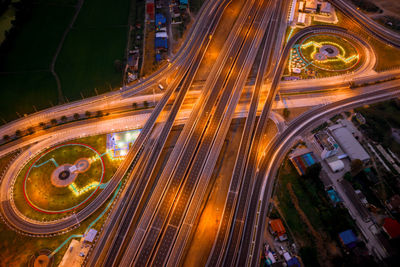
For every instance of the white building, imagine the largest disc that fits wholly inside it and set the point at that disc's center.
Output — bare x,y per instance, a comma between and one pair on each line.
336,165
301,19
349,144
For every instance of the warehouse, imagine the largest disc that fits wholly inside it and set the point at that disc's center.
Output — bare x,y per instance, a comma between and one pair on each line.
349,144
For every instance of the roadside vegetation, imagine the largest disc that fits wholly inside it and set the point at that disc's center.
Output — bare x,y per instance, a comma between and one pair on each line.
314,222
17,249
380,119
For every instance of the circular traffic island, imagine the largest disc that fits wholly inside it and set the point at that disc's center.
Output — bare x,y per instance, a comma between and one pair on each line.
325,54
59,181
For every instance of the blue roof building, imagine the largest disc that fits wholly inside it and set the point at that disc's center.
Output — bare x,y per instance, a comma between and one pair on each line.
160,19
183,2
158,57
162,43
294,262
348,238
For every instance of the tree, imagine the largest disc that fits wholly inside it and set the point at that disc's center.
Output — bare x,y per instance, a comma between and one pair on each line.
31,130
6,137
145,104
356,166
134,105
18,133
76,116
88,113
313,171
43,125
64,118
99,113
286,113
53,121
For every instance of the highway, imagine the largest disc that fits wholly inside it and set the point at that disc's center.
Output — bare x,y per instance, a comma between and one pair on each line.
372,27
217,252
134,200
32,227
183,164
155,214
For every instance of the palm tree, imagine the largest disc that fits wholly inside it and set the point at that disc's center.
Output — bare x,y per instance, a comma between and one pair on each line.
43,125
145,104
76,116
6,137
99,113
53,121
64,118
88,113
134,105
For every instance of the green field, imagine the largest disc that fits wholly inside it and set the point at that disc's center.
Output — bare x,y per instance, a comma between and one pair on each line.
97,39
86,60
43,194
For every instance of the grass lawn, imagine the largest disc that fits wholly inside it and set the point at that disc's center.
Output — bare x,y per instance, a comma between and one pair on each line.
97,39
329,67
43,194
87,61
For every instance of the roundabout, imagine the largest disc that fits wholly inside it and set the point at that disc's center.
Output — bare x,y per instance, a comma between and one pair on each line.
61,179
326,54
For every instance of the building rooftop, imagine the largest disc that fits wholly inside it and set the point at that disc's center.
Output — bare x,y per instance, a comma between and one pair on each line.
348,238
349,144
391,227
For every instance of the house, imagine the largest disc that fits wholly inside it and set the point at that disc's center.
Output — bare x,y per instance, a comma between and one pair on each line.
391,228
311,6
160,20
348,238
393,204
89,237
183,3
150,10
161,43
302,159
326,8
276,228
176,12
133,62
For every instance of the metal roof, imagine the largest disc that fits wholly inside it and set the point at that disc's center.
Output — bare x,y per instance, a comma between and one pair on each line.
350,145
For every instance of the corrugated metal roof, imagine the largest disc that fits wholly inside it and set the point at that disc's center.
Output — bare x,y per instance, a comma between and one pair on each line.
350,145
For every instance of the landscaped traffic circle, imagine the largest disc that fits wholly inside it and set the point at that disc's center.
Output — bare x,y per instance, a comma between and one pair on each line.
325,52
63,178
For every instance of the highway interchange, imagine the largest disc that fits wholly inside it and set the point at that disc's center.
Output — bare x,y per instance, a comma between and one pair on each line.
153,217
